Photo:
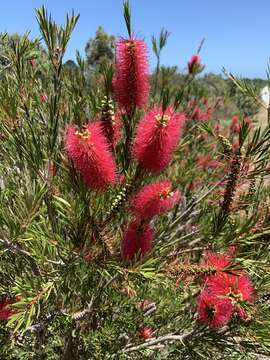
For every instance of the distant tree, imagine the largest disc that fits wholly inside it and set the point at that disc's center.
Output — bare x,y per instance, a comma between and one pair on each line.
70,65
100,49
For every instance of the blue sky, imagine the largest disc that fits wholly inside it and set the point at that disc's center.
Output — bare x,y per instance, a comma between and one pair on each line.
237,32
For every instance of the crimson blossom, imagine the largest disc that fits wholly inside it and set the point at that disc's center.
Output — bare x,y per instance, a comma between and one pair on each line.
131,83
154,199
137,238
88,149
214,311
156,138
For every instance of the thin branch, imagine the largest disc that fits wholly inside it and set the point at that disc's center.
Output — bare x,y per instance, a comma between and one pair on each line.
17,250
158,340
14,248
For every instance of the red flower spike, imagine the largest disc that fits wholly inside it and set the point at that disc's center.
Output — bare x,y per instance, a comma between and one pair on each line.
214,311
146,333
89,152
194,65
235,125
43,98
201,116
154,199
131,83
137,238
196,114
5,311
156,139
205,162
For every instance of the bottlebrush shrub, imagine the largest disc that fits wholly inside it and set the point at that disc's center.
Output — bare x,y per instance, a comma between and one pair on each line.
131,84
80,258
156,138
154,199
137,240
89,152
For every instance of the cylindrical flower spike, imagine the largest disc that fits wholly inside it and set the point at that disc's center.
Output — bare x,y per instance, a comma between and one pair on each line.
110,123
156,139
131,83
137,238
88,149
194,65
154,199
235,125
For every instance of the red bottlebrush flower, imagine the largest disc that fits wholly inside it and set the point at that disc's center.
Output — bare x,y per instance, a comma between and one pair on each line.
208,113
89,152
194,65
154,199
196,113
214,311
248,120
156,138
146,332
137,238
205,162
235,125
131,83
5,311
201,116
43,98
238,287
216,261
